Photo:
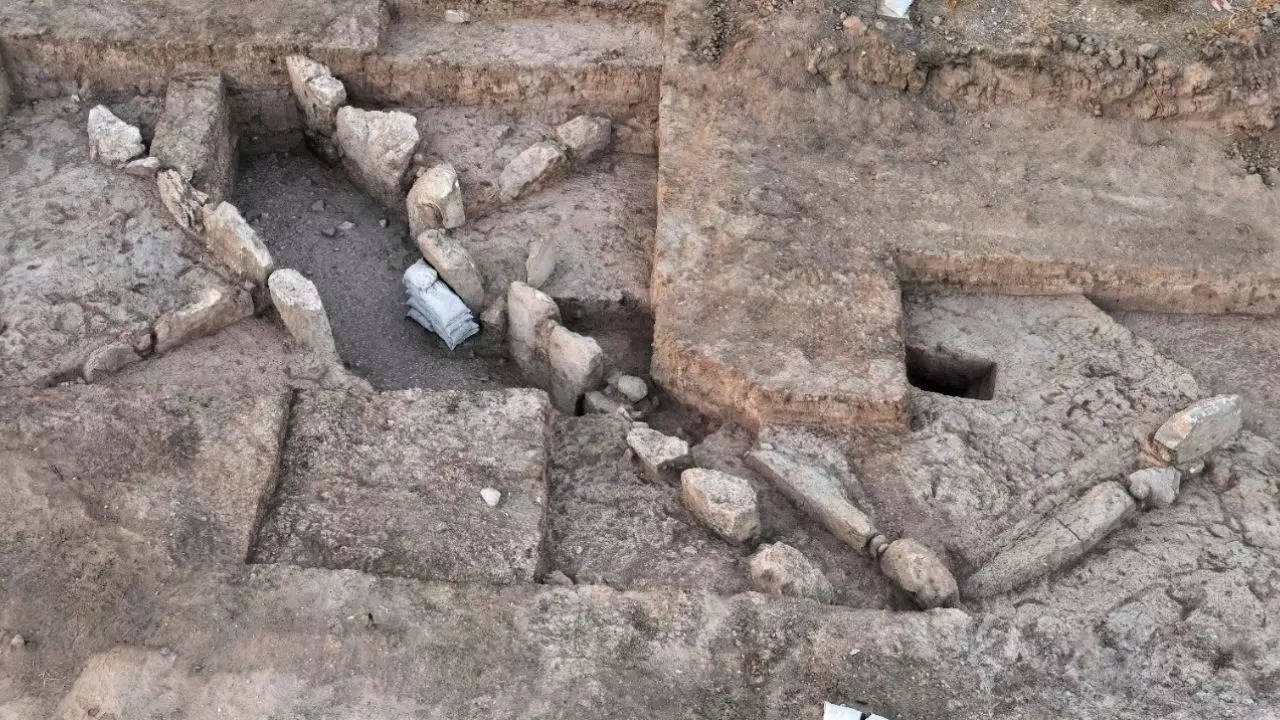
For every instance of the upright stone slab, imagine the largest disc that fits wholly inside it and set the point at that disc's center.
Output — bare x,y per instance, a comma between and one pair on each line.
455,265
531,314
377,148
298,302
577,365
435,201
235,243
212,310
816,491
390,484
318,92
194,133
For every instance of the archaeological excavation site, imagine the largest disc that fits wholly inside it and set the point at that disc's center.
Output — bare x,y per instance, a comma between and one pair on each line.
639,359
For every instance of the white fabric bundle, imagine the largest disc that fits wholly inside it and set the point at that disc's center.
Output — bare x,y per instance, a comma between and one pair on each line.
435,307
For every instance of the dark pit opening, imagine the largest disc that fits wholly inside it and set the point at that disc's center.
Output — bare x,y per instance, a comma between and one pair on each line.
938,371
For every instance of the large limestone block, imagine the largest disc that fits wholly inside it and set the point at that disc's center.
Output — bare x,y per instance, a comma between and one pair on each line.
538,166
585,137
1194,432
815,490
391,483
213,310
919,572
531,315
298,302
235,243
780,569
659,454
725,503
577,365
377,148
194,133
1061,539
455,265
320,95
112,141
435,201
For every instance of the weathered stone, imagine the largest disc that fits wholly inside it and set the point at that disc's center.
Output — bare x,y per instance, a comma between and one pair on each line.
213,310
577,365
235,243
1155,487
658,454
455,265
538,166
541,261
919,572
585,137
1060,539
318,92
779,569
723,502
146,167
392,484
435,201
816,491
1194,432
184,203
457,17
597,402
194,133
298,302
112,141
107,359
531,314
6,91
377,148
632,388
493,319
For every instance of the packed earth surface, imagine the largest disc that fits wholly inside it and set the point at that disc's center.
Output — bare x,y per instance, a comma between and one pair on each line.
639,359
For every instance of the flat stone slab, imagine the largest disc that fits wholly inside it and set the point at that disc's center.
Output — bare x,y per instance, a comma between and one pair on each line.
185,472
390,484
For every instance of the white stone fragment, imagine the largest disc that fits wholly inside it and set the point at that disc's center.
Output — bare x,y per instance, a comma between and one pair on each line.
585,137
235,243
812,487
455,265
1194,432
320,95
457,17
780,569
377,148
596,402
538,166
112,141
435,201
577,365
146,167
184,203
1155,487
491,496
632,388
658,454
541,261
724,503
212,310
298,303
896,9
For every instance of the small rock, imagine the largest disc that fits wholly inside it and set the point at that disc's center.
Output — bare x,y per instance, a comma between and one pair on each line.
317,206
780,569
659,454
491,496
854,25
538,166
1155,487
112,141
297,301
457,17
631,387
1148,50
1194,432
377,148
723,502
212,311
329,231
345,225
936,20
146,167
598,403
918,571
17,642
585,137
556,577
235,244
541,261
184,203
455,265
577,365
319,94
435,201
382,223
